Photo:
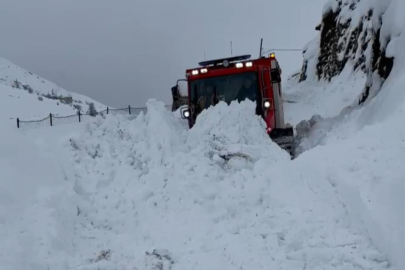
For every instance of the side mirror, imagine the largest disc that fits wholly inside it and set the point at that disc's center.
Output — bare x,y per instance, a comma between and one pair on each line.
179,94
175,93
182,87
267,103
185,112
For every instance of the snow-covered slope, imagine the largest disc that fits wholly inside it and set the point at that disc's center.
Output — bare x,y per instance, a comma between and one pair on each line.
27,96
359,34
311,97
365,137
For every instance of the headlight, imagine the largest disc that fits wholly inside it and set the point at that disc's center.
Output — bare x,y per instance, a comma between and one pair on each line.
239,65
194,72
249,64
267,104
204,70
185,113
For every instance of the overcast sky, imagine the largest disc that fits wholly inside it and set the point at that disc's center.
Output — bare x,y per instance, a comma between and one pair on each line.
127,51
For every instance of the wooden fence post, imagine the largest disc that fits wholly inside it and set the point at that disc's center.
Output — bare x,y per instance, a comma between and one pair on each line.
79,117
129,109
50,117
18,122
107,110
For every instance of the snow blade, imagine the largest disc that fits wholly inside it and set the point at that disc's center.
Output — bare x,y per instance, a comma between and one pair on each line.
284,137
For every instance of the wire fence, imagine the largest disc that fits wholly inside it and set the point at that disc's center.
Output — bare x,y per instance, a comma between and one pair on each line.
33,124
55,120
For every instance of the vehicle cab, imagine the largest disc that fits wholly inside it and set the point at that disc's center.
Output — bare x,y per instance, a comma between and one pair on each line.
236,78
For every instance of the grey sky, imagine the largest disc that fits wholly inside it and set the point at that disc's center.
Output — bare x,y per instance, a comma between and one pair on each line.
127,51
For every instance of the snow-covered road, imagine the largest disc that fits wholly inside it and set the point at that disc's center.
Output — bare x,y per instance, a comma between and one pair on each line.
149,194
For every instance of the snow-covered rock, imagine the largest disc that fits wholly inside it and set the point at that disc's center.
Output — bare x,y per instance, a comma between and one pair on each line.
360,34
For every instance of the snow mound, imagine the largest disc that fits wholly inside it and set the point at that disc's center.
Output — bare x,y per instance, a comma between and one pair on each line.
233,131
35,205
152,195
148,193
153,168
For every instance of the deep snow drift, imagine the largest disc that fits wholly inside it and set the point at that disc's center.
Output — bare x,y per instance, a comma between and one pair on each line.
149,194
32,202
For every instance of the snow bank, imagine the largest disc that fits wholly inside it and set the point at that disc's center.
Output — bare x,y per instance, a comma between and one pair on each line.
367,162
34,205
149,194
231,131
383,134
365,144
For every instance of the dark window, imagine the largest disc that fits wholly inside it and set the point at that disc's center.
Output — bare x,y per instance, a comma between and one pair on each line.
227,88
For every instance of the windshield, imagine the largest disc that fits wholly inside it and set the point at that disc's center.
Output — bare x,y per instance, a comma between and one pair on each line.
227,88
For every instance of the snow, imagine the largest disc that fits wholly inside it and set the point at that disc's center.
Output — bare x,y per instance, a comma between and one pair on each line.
311,53
366,147
394,23
10,72
235,132
330,5
144,192
19,103
312,97
365,160
31,182
148,193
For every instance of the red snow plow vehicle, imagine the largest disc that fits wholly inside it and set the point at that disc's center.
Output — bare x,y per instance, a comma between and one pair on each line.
237,78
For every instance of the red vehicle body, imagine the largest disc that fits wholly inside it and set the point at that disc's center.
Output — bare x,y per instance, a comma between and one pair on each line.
225,79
